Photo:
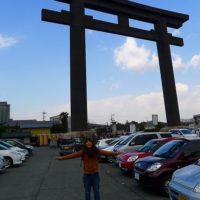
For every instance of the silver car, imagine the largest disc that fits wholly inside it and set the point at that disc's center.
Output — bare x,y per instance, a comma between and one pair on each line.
185,183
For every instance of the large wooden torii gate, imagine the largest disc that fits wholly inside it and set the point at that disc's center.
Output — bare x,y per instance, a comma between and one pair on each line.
124,10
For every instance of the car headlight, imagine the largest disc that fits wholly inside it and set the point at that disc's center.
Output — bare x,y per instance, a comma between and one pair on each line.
197,188
132,158
154,167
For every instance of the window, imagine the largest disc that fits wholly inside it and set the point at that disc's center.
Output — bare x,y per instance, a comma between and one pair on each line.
142,139
165,135
192,150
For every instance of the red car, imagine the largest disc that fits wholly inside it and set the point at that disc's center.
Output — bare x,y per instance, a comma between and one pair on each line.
127,161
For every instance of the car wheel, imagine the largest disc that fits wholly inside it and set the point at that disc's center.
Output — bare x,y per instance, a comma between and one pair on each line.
8,162
164,185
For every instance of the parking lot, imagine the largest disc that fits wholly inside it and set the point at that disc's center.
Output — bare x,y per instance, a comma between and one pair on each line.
42,177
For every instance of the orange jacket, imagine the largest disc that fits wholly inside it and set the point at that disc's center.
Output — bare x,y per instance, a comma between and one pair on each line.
90,164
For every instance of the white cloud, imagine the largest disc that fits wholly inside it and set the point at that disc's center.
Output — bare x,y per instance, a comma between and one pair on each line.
195,61
7,41
141,108
178,62
181,88
131,56
138,108
176,32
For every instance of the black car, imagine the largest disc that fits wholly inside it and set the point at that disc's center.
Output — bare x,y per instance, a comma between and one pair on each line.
67,146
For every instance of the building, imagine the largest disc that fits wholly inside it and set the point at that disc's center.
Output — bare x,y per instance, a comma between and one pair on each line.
56,119
33,126
4,112
155,119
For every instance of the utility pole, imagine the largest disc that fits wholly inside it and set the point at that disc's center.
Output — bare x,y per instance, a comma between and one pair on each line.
43,115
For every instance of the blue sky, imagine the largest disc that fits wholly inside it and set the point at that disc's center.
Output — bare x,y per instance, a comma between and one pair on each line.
123,76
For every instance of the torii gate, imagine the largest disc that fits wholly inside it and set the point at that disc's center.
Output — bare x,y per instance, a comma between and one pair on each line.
124,10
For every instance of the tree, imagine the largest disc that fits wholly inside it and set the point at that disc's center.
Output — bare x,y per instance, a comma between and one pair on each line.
57,128
64,120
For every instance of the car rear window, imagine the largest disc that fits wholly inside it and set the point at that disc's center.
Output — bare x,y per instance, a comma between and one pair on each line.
67,141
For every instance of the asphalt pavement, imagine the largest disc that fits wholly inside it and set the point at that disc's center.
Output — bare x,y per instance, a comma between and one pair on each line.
41,177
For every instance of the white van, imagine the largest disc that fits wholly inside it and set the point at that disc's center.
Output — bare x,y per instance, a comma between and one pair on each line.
137,140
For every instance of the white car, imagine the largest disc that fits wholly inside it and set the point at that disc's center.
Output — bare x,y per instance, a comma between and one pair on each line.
2,164
101,144
111,146
23,152
183,133
11,157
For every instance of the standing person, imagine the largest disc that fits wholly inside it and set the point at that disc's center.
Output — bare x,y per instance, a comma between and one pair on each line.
89,155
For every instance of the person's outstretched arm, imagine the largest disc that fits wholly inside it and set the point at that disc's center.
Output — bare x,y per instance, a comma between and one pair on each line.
70,156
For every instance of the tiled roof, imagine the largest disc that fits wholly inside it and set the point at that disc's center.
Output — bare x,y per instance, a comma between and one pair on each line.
30,123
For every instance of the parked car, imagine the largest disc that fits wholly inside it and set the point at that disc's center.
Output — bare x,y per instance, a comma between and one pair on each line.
67,146
111,146
19,144
2,164
78,143
185,183
24,152
103,143
137,140
185,133
196,131
156,170
6,146
11,157
127,160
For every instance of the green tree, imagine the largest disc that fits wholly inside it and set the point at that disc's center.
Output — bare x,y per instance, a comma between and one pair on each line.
141,126
64,120
57,128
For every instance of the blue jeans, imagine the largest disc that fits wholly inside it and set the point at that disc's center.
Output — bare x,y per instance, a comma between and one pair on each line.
91,181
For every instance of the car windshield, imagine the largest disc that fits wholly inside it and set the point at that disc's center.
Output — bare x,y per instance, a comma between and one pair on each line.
6,144
3,147
114,142
150,146
67,141
170,149
126,140
186,131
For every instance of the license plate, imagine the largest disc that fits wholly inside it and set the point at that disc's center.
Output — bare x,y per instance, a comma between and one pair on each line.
137,176
66,147
181,197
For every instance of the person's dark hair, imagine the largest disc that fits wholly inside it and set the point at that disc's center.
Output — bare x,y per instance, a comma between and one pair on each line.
91,152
